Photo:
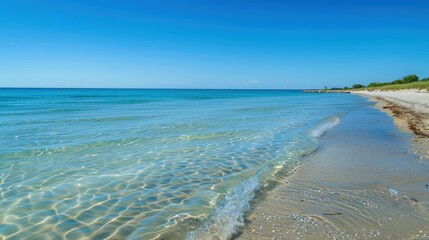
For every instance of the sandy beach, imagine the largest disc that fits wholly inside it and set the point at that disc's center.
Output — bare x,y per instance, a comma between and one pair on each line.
214,120
367,181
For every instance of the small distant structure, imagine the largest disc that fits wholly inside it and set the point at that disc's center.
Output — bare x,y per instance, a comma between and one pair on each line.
325,91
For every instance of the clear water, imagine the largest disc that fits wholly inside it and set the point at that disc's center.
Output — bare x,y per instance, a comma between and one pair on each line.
141,164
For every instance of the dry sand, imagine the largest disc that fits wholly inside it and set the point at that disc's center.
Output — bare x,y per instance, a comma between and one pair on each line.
364,183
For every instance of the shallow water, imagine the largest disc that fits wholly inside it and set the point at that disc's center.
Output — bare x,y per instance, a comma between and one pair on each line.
148,163
364,182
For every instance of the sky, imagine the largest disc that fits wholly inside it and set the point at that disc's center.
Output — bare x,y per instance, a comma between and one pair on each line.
271,44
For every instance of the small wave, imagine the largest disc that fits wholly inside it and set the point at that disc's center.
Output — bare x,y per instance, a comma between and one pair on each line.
229,215
324,127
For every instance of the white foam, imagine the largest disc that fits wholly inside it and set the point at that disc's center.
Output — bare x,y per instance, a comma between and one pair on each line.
392,192
324,127
229,215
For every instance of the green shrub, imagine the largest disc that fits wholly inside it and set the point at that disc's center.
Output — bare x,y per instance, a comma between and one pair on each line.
410,79
399,81
355,86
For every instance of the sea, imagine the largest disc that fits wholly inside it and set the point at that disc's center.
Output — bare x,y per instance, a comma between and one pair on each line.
150,163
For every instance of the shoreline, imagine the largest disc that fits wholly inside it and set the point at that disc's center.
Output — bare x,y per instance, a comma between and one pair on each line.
365,182
409,110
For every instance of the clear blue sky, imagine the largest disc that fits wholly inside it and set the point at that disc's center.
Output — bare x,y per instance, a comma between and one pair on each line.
211,44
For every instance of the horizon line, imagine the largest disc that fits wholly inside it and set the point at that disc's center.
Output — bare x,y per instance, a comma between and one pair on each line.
125,88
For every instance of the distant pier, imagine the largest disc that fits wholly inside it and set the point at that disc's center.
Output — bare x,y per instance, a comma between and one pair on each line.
324,91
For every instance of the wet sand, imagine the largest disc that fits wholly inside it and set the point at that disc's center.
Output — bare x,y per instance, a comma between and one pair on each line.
410,112
365,182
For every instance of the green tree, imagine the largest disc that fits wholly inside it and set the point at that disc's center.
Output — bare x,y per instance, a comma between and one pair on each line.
410,79
355,86
399,81
374,84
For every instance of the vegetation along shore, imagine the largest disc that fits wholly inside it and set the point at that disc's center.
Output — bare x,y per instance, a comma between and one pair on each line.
407,82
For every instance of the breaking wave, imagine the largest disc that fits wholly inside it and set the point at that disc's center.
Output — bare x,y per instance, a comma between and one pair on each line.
321,129
228,216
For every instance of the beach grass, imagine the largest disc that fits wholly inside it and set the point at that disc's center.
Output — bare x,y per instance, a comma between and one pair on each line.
420,85
414,85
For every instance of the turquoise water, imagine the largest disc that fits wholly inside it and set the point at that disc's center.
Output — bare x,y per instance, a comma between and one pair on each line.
141,164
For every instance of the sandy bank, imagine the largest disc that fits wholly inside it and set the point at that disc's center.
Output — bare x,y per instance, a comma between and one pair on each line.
410,110
415,100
